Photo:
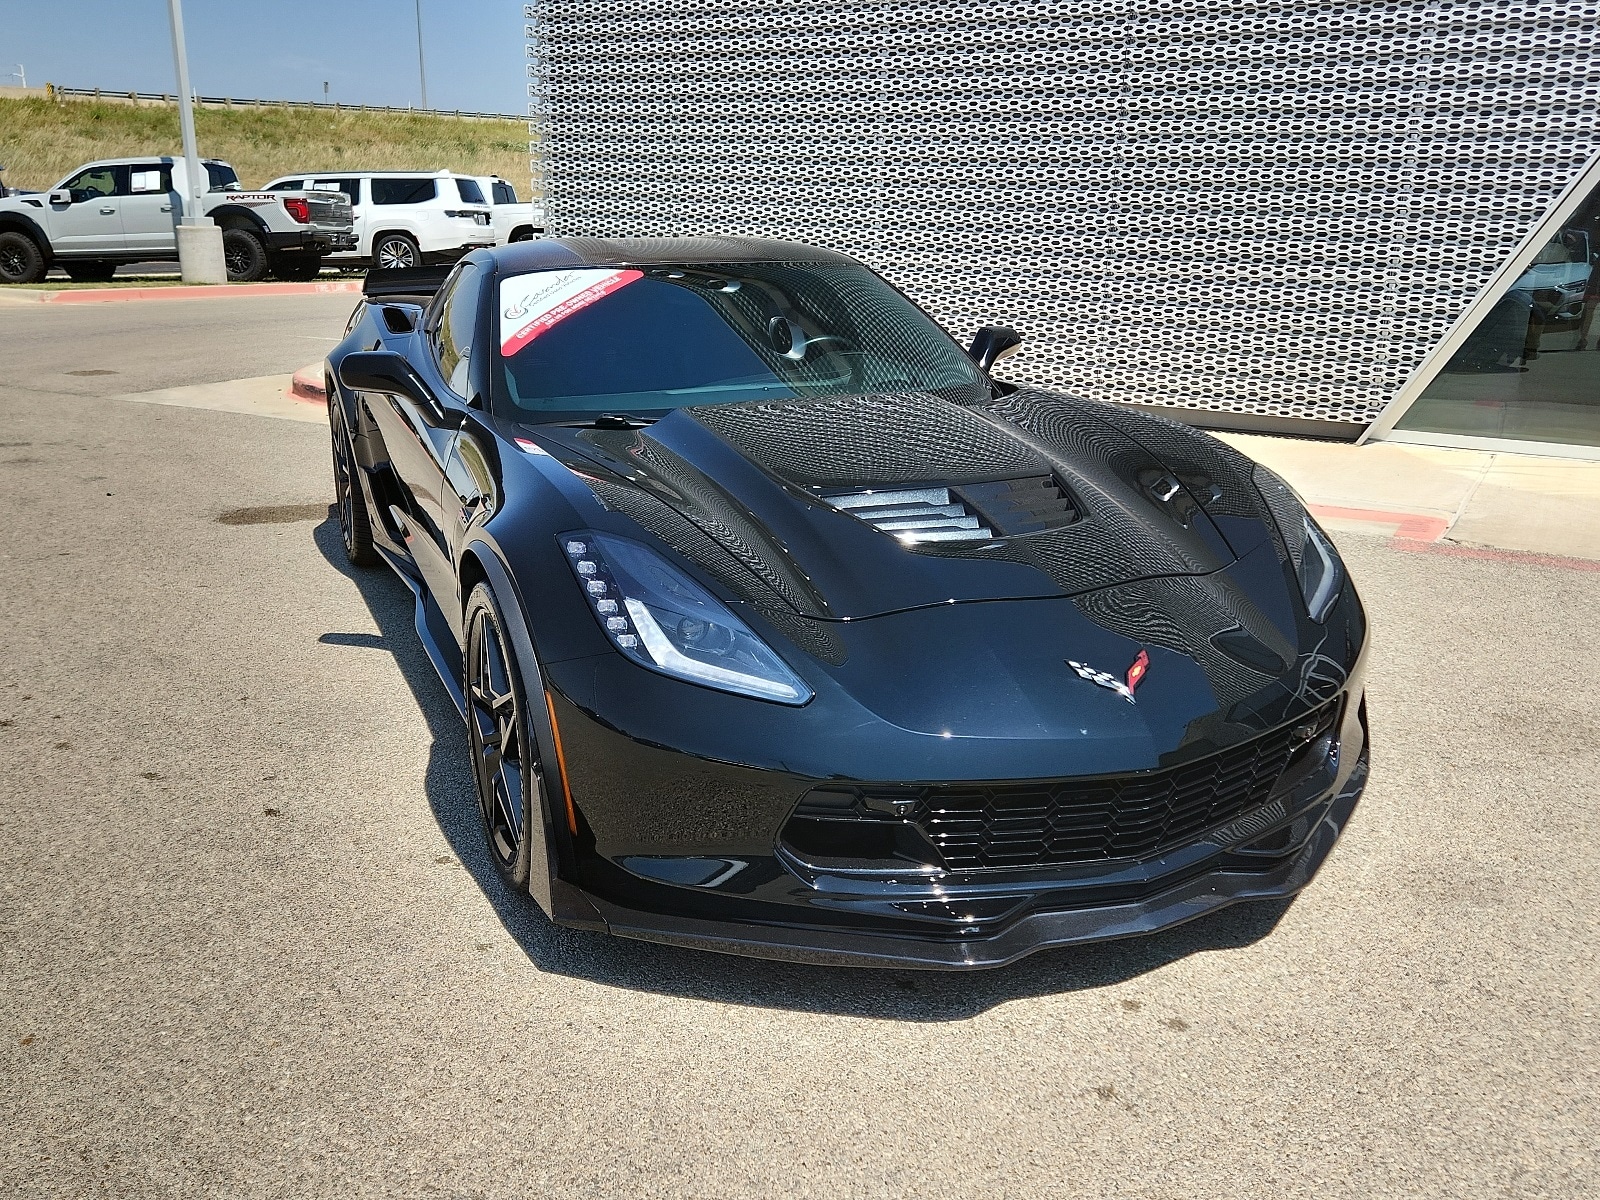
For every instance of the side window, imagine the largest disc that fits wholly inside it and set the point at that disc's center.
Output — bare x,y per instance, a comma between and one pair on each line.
469,191
452,333
504,193
350,187
403,191
98,181
221,176
148,178
284,185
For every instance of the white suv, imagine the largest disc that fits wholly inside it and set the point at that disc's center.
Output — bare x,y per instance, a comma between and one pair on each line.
404,218
512,220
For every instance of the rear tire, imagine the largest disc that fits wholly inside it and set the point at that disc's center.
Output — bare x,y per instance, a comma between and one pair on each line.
94,271
505,754
21,260
355,524
245,256
297,268
395,250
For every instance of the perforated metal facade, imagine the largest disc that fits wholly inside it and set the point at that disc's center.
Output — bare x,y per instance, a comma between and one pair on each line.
1266,208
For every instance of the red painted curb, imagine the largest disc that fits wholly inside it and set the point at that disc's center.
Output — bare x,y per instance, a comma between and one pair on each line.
1409,527
1525,557
309,385
200,292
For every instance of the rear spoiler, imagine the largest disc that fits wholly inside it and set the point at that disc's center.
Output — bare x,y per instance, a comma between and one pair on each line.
405,281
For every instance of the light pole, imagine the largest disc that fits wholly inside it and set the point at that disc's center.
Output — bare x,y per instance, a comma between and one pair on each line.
199,238
422,70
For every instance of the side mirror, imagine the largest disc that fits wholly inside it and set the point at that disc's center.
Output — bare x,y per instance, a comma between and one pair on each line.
385,371
61,196
994,343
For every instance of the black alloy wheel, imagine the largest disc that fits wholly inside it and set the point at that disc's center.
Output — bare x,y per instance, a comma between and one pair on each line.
21,260
354,522
243,255
505,756
395,250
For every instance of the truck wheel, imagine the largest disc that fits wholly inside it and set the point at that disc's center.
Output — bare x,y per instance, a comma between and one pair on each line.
297,268
244,255
395,250
94,271
21,260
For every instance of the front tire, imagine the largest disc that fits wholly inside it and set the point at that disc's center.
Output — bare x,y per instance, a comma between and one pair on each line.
395,250
21,260
506,768
244,255
355,524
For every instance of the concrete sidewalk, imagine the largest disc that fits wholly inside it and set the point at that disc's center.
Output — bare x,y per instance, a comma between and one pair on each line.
1451,501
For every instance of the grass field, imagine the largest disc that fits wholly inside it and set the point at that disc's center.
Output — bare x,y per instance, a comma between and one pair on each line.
41,140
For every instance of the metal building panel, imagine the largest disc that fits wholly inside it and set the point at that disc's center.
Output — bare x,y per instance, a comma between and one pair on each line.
1268,208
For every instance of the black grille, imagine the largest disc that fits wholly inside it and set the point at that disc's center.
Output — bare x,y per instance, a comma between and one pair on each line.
1056,822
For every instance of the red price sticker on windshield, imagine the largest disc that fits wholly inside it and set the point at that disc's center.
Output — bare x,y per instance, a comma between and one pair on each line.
532,304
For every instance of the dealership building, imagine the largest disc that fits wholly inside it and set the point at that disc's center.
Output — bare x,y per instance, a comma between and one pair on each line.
1357,220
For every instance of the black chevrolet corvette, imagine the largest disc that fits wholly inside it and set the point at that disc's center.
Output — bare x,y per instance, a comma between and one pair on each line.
780,626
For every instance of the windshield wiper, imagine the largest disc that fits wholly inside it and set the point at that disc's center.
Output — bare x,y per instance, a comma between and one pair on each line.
607,421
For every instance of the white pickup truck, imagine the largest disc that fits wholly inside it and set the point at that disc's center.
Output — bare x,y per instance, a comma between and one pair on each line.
126,210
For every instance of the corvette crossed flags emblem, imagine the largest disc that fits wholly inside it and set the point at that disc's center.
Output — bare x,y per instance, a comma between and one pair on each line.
1122,687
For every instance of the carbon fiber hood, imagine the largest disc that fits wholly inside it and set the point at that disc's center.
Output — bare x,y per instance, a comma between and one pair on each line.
768,498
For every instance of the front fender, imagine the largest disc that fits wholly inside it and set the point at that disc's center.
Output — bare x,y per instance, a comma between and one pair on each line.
561,901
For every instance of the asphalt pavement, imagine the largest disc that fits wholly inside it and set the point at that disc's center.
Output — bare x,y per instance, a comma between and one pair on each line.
250,946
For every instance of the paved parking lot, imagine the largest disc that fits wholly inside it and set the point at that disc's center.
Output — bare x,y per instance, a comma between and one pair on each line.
249,945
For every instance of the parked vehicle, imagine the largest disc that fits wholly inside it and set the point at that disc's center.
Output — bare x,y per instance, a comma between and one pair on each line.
778,625
405,218
126,210
512,220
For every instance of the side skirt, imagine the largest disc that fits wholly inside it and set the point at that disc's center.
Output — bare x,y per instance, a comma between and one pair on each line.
433,630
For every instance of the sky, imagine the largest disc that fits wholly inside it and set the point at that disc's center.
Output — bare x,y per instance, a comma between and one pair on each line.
366,50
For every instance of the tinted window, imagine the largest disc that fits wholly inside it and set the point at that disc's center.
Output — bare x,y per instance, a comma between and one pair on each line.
403,191
470,192
221,175
286,185
619,340
98,181
350,187
452,335
504,193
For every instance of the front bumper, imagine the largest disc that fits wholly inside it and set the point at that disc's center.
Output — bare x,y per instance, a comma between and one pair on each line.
1038,929
673,856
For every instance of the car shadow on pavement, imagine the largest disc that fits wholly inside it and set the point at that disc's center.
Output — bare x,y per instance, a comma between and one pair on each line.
906,995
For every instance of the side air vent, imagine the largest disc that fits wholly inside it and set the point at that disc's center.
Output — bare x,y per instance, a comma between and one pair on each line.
972,512
915,514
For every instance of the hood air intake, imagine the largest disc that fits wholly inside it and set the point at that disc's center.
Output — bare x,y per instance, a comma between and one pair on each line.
974,512
915,514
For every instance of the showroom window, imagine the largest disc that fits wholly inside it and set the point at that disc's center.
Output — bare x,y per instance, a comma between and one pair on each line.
1530,370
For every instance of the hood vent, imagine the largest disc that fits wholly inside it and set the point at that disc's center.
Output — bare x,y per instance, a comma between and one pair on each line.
973,512
915,514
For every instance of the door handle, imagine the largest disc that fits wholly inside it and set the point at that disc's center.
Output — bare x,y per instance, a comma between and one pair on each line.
108,211
166,208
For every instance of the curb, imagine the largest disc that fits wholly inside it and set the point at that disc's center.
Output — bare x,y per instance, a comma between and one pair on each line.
197,292
309,384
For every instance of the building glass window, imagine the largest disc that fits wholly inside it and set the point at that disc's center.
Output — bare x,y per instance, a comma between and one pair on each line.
1530,371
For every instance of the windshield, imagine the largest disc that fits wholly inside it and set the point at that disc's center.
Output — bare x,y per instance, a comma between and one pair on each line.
643,341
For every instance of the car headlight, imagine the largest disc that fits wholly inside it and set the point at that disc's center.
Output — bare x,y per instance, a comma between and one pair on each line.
663,620
1316,562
